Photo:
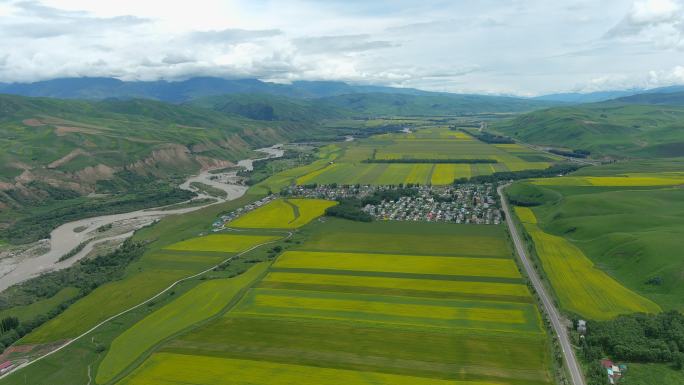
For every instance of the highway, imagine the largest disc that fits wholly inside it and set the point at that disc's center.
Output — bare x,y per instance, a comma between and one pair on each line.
552,313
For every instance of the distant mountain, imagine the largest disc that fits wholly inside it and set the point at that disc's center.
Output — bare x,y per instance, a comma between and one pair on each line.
664,99
590,97
600,96
377,104
174,92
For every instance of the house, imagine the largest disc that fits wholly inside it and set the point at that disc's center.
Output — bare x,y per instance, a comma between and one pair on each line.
6,367
582,326
614,372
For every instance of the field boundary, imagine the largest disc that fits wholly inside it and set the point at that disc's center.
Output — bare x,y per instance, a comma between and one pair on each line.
71,341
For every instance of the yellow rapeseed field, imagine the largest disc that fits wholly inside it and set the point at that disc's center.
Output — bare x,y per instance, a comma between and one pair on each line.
221,242
525,214
446,312
446,173
283,214
466,287
173,369
485,267
579,285
626,180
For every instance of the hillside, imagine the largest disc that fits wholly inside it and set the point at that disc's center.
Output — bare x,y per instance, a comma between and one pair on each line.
606,129
54,153
270,107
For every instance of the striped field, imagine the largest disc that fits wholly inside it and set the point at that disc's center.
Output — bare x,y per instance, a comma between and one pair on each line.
371,317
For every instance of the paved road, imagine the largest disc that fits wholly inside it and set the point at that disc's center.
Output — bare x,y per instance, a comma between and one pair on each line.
549,307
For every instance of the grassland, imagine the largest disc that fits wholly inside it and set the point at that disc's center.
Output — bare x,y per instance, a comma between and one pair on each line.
200,303
283,214
355,313
631,232
436,142
30,312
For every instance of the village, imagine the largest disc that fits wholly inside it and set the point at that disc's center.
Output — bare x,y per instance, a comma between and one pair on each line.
466,203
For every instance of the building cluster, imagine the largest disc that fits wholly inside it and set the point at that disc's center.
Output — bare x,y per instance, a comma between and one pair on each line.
467,203
220,223
471,204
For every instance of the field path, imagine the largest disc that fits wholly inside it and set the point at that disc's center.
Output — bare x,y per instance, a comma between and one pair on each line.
71,341
568,353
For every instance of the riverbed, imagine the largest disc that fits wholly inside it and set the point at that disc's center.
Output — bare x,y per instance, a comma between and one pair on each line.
29,263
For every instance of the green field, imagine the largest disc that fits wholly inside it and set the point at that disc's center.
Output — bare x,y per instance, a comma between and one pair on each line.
283,214
355,313
348,166
200,303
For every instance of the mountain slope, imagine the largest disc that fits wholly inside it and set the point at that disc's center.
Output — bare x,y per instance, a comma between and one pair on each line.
54,153
606,129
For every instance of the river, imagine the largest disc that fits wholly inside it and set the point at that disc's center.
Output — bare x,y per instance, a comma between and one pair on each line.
65,238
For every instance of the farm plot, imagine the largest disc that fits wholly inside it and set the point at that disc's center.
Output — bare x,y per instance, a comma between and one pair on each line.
159,269
221,243
625,180
424,144
200,303
579,285
283,213
371,317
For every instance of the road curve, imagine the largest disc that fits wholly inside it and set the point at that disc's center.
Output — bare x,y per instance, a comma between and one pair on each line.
576,376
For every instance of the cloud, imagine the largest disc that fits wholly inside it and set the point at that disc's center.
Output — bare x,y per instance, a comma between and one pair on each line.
340,44
660,22
524,47
230,36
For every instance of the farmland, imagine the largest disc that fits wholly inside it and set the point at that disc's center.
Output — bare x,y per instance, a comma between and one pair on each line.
283,213
201,302
155,271
580,286
341,309
349,166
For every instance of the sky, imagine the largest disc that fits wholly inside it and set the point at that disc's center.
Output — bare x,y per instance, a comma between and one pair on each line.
514,47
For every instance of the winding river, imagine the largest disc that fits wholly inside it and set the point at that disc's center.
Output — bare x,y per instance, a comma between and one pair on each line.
68,236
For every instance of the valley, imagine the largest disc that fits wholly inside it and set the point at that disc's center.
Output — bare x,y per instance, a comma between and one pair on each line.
383,259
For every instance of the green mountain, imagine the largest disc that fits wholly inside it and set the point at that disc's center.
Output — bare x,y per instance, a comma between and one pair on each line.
57,153
612,129
270,107
666,99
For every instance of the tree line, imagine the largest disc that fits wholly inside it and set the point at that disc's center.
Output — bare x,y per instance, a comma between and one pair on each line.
418,160
639,337
555,170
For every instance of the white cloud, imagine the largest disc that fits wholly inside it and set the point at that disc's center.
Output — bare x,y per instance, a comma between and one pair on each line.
495,46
